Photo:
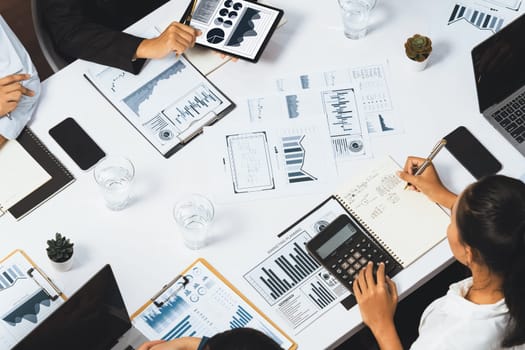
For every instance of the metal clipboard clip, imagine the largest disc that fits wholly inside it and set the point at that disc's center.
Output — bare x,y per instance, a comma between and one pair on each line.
183,284
30,273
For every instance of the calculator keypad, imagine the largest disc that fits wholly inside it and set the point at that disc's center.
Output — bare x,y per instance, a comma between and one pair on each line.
346,262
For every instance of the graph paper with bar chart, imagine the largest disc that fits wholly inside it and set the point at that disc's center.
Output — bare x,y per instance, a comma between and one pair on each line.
27,297
203,305
291,281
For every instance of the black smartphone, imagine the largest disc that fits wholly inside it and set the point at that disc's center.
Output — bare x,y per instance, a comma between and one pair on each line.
77,143
467,149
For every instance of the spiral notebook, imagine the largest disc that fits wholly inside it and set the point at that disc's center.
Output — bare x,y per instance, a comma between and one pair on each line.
39,175
405,223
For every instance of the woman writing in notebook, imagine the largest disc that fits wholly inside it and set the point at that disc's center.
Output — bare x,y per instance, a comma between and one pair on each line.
487,234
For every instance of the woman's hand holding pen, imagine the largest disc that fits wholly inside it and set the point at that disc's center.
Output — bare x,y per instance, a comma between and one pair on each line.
427,182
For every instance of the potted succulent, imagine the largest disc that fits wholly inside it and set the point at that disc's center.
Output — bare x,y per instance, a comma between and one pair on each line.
418,49
60,252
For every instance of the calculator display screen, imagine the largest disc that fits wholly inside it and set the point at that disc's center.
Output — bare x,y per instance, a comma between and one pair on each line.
335,241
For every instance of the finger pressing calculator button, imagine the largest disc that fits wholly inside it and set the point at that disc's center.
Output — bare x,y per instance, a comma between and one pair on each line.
345,265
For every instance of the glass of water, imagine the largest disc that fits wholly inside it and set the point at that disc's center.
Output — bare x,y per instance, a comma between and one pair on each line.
194,214
114,176
355,14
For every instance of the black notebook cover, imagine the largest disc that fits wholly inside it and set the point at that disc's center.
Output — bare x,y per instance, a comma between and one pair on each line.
60,176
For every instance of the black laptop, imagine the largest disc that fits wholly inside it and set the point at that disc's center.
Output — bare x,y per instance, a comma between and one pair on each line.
499,69
94,318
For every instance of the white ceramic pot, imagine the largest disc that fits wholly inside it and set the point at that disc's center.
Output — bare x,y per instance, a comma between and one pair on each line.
63,266
418,66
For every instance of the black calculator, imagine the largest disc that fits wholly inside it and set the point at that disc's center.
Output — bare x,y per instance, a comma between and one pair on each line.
343,248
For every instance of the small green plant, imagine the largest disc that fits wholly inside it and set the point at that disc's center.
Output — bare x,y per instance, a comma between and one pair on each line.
59,249
418,47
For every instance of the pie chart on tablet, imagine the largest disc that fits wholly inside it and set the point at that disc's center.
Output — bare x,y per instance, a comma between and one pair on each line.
215,36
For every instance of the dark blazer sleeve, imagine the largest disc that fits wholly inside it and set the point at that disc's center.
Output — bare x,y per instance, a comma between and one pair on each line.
76,36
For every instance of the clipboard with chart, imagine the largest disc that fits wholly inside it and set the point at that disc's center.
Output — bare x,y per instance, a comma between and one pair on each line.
201,302
27,297
168,102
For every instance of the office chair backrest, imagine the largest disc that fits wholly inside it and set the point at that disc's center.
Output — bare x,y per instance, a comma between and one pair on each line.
55,60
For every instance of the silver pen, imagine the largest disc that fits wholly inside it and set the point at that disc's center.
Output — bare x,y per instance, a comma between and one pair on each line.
429,159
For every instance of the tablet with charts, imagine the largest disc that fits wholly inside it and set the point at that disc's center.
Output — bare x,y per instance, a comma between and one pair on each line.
236,27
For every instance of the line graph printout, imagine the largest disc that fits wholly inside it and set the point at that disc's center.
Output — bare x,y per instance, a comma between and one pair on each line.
370,84
168,102
269,162
25,301
291,281
236,26
346,128
203,307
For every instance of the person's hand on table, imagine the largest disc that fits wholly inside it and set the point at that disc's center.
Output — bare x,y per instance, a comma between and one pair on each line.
377,300
2,141
150,344
177,37
11,91
225,56
428,182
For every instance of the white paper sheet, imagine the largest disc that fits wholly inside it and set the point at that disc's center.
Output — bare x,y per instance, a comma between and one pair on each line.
292,282
269,162
20,174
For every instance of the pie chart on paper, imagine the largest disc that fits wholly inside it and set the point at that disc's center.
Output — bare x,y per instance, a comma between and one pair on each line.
215,36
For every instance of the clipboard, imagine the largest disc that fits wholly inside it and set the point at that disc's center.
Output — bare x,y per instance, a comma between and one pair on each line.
27,297
201,302
168,102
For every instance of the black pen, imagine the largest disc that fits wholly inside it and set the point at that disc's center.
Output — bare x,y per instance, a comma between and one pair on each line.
186,17
429,159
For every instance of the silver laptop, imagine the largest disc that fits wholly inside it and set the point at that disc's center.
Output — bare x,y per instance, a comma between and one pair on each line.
499,68
94,318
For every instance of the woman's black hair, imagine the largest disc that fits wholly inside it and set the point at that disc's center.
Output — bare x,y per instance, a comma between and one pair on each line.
241,339
491,219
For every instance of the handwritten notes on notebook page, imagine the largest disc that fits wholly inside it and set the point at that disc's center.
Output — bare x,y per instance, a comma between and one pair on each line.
406,221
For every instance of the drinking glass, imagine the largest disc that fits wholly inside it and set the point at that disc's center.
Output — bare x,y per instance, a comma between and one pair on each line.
114,176
194,214
355,14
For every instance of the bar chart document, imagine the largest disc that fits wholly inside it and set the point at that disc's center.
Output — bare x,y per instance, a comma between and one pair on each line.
371,83
236,27
203,303
291,281
270,162
26,298
168,102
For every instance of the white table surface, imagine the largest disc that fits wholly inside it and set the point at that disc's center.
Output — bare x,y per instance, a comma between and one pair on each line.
142,243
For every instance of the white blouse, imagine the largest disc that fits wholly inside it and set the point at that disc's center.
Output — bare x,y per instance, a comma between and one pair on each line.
14,59
452,322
